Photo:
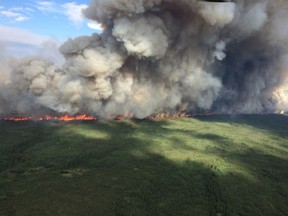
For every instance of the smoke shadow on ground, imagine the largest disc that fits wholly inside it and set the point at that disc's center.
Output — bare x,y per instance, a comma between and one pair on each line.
136,168
273,123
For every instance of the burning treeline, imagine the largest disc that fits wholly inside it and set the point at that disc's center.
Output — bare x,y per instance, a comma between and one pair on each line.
160,56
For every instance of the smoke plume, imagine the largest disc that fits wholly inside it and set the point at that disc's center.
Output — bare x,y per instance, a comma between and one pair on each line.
160,55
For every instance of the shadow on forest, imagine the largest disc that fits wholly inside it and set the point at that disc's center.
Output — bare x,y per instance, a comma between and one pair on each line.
122,175
274,123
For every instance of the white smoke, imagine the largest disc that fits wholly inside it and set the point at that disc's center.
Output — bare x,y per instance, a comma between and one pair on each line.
159,55
217,14
148,41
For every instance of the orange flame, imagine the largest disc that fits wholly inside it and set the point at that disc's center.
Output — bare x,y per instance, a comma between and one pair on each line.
71,118
17,119
51,118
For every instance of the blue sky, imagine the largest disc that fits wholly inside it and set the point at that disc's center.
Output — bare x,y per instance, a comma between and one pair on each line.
30,22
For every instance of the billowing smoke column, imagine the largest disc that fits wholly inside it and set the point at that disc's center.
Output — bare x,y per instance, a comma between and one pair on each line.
161,55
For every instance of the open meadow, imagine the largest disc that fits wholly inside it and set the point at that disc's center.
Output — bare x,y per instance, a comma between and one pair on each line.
207,165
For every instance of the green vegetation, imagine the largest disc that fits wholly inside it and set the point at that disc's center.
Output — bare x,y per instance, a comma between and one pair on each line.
209,165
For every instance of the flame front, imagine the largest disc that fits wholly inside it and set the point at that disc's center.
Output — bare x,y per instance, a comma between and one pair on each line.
82,117
16,119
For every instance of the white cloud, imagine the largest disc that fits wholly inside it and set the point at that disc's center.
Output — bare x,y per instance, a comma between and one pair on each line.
48,6
16,9
29,9
17,17
21,18
26,10
74,13
19,35
71,10
45,47
95,26
9,14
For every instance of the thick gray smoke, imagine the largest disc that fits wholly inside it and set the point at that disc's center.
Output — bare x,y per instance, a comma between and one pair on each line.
160,55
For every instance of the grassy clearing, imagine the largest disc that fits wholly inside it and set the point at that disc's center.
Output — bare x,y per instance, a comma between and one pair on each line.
210,165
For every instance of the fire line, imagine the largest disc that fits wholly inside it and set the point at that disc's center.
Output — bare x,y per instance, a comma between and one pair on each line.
52,118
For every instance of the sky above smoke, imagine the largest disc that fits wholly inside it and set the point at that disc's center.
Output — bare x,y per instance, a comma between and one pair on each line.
25,25
158,56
